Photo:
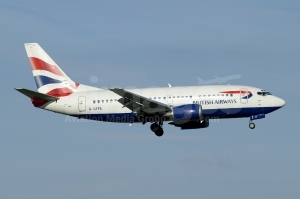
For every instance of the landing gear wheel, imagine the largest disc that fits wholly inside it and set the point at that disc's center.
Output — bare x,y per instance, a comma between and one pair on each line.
154,127
251,125
157,129
159,132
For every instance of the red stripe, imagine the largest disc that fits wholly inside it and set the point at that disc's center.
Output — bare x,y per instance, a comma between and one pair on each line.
60,92
38,103
38,64
236,92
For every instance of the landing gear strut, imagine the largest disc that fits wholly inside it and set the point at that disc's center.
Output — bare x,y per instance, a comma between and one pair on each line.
255,117
157,129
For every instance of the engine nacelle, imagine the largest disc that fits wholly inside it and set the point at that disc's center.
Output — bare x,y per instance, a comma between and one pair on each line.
185,113
192,124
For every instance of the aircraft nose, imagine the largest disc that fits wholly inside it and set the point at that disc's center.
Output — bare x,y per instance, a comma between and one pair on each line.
279,102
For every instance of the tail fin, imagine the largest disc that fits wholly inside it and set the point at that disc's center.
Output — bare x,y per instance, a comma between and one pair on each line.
49,77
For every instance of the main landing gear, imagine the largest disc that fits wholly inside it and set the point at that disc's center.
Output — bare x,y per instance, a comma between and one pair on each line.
157,129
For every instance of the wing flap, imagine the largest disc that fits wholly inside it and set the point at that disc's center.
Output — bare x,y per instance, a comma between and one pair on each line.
128,103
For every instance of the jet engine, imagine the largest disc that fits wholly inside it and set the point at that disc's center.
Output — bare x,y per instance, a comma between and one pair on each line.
192,124
185,113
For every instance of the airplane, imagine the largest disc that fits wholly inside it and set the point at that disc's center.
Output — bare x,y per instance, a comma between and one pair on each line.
218,79
185,107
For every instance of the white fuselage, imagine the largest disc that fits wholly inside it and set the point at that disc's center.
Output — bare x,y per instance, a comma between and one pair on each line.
223,101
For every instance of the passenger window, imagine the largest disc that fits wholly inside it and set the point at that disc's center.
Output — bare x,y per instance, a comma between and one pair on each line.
218,95
102,101
106,101
231,95
154,97
98,101
158,97
226,95
190,96
164,98
94,101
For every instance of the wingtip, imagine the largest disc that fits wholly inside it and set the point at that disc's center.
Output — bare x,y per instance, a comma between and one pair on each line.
31,44
114,88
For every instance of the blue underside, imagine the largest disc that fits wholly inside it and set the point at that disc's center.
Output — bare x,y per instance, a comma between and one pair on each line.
211,113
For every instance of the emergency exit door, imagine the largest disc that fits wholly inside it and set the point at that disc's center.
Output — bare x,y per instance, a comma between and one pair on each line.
169,99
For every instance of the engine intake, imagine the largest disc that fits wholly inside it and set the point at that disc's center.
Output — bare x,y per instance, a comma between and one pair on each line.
185,113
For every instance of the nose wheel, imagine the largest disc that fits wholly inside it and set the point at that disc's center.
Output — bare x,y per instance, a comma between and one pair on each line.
157,129
251,125
255,117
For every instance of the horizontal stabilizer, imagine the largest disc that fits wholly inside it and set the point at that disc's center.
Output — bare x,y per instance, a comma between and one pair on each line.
36,95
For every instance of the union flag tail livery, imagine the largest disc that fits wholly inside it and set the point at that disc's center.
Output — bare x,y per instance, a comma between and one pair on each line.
188,107
50,79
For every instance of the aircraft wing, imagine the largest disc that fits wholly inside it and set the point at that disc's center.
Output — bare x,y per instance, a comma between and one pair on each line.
138,103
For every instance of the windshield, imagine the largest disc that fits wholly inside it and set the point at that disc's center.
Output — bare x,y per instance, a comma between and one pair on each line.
263,93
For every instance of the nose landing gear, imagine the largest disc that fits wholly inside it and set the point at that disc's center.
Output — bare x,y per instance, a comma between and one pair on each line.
255,117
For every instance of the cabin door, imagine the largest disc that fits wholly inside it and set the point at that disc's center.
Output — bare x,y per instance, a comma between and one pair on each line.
81,103
244,95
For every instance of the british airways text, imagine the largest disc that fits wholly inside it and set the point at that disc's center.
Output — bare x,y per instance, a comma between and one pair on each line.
208,102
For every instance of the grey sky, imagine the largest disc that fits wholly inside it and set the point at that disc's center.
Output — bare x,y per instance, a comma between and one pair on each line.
143,44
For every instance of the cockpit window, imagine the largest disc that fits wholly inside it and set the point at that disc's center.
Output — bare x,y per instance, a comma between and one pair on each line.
263,93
